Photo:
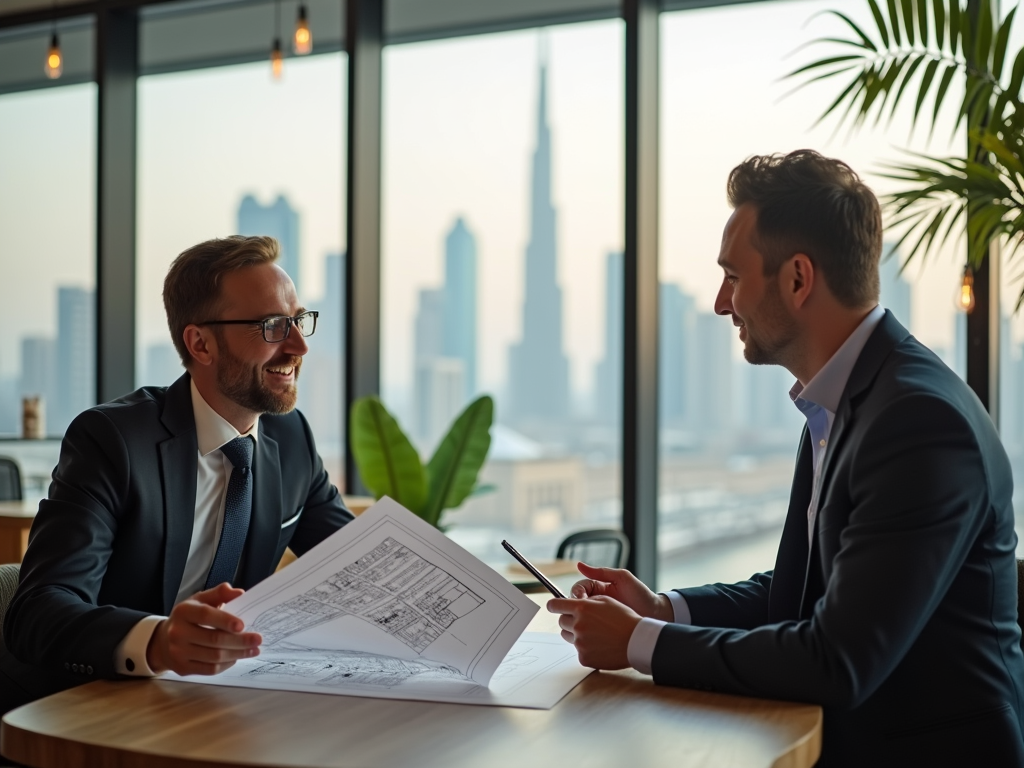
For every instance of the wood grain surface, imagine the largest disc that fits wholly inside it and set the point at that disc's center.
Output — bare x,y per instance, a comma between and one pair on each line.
611,719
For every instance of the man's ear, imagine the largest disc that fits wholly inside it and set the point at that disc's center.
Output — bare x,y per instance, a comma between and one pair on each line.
798,282
200,343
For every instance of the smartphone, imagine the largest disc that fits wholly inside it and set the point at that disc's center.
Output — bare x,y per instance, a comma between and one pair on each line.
532,569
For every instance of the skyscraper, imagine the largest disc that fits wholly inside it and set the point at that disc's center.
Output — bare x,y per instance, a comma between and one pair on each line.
677,347
278,220
76,356
459,309
895,290
538,367
440,380
608,377
38,377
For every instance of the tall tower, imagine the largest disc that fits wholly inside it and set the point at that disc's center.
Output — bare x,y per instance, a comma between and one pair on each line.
76,356
538,367
459,312
278,220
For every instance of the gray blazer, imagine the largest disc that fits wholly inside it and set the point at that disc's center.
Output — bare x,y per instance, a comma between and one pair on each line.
901,620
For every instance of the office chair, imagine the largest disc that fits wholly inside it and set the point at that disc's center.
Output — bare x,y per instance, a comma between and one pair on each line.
8,584
10,480
1020,598
601,547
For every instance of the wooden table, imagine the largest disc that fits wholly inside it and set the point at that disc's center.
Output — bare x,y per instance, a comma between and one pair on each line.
612,719
15,521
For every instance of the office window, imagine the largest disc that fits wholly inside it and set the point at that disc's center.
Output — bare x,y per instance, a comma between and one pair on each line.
230,150
728,431
48,253
502,217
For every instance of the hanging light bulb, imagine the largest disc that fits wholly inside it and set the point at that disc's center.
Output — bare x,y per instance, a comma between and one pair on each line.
303,40
277,59
54,66
965,294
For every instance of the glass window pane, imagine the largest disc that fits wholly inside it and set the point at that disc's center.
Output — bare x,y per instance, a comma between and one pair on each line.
502,200
229,151
728,431
48,257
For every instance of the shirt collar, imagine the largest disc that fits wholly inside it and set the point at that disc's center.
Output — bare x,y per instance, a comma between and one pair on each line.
826,388
212,429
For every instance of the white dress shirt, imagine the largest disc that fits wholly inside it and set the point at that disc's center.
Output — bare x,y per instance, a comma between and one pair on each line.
818,402
212,474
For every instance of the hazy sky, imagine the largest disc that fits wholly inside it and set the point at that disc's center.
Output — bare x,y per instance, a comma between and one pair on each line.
459,125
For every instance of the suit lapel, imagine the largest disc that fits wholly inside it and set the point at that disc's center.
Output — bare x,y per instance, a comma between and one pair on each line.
265,524
790,567
179,460
883,339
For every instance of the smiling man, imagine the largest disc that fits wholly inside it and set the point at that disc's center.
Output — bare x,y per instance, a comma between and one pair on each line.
168,502
893,601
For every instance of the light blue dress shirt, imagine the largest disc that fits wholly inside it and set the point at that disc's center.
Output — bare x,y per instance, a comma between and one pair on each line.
818,402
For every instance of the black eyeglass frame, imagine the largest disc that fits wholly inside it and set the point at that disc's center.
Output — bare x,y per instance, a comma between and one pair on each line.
292,322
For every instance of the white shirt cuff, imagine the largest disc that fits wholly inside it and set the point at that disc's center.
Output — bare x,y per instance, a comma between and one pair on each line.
130,654
680,607
640,650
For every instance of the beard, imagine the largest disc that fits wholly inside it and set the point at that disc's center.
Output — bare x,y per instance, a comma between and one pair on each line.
775,330
244,385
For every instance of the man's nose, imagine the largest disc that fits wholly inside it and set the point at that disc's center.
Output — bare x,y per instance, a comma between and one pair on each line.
295,343
723,301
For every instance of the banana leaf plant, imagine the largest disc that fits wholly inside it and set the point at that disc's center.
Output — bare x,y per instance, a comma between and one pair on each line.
390,465
913,53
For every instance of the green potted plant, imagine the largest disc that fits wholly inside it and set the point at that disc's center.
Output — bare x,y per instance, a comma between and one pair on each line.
914,51
390,465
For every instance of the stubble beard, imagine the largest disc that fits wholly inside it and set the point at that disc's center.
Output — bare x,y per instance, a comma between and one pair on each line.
242,384
772,316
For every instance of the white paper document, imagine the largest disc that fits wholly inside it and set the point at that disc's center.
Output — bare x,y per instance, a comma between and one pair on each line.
389,607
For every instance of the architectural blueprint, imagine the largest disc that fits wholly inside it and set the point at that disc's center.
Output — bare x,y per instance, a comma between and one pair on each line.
390,607
537,672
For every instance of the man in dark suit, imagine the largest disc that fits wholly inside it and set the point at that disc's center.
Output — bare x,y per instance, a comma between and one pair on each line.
893,601
168,503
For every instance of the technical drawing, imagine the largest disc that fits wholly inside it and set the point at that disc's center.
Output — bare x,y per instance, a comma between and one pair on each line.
340,668
391,587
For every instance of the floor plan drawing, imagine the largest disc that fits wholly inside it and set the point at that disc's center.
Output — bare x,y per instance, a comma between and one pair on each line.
391,586
351,668
388,606
538,671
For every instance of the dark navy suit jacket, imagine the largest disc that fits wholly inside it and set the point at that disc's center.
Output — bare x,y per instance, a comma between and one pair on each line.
109,544
901,618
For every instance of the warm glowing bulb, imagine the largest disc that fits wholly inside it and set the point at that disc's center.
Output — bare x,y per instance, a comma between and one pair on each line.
965,295
303,40
277,60
54,65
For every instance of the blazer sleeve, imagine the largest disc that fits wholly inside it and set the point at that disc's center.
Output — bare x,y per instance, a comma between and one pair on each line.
919,496
740,606
54,620
324,511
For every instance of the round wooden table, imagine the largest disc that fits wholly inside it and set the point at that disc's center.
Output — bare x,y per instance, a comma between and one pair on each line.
611,719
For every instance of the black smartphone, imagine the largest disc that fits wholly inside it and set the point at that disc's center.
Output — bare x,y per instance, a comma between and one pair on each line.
532,569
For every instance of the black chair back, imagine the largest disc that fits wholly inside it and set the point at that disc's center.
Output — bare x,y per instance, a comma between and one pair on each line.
10,480
1020,599
602,547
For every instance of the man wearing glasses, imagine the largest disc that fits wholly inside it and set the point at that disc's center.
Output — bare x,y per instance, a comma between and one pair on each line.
169,502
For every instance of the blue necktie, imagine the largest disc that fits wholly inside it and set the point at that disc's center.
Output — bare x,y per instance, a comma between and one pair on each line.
237,510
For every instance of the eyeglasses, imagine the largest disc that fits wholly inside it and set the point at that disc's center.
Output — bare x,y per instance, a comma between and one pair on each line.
276,328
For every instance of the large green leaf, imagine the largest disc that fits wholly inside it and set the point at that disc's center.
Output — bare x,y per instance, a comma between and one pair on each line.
453,469
387,461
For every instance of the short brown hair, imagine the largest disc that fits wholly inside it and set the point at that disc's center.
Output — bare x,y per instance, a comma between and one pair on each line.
815,205
192,285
